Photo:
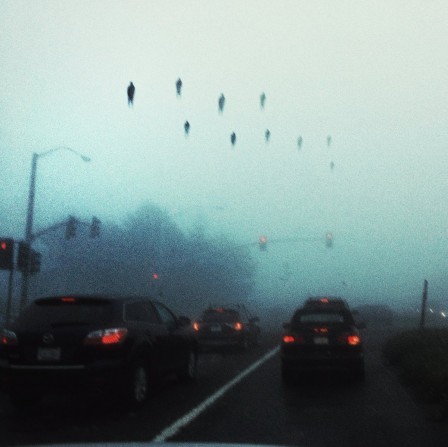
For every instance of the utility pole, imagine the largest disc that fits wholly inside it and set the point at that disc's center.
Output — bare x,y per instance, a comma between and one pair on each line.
424,299
29,230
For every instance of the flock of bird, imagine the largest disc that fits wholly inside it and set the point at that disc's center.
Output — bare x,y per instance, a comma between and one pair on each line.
221,104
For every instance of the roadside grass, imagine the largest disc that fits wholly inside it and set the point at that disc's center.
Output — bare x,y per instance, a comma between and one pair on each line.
421,358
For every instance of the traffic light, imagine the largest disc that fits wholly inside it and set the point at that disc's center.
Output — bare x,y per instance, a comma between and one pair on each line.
24,253
6,253
70,229
329,239
262,243
95,227
35,261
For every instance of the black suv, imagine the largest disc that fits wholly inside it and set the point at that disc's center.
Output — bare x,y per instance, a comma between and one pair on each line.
60,342
322,336
225,327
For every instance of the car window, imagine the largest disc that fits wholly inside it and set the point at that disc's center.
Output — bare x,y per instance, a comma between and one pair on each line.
140,311
84,311
166,316
320,317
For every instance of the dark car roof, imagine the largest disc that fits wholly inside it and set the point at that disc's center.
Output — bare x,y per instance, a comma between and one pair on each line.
97,297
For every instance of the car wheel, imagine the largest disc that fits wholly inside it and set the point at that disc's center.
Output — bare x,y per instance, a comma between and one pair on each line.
22,399
137,387
190,370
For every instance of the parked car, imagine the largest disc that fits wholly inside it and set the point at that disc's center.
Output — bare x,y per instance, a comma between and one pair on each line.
322,338
224,327
61,342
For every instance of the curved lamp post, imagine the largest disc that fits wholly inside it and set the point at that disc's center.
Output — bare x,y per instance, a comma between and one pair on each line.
30,212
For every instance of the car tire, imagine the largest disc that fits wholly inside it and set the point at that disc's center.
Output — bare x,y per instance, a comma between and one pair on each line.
137,383
190,370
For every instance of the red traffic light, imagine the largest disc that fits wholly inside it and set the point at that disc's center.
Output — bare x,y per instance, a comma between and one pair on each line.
155,276
6,253
262,242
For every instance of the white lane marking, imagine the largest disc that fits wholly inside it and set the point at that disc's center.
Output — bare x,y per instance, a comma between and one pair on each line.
174,428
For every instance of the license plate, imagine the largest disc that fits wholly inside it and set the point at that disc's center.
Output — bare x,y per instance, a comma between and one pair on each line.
320,340
215,329
48,354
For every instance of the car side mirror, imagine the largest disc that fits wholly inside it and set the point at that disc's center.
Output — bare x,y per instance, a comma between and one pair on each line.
184,321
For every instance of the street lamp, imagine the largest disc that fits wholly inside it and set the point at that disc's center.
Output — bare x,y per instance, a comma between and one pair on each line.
30,212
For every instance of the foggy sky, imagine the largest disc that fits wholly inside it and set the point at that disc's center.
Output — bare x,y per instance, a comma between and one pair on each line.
371,74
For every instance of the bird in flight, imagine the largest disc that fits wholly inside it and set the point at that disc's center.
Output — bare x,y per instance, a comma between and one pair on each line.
187,128
179,87
131,92
221,102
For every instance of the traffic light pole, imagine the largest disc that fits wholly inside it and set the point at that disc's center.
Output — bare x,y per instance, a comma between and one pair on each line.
9,299
29,230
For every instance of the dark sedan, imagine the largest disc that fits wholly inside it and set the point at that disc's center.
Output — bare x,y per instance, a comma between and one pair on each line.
225,327
60,343
319,338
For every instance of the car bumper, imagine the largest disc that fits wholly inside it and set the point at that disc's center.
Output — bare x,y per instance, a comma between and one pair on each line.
328,360
59,377
220,342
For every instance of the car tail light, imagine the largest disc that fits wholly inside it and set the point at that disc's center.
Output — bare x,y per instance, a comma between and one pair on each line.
238,326
354,340
288,339
68,299
8,338
106,337
196,326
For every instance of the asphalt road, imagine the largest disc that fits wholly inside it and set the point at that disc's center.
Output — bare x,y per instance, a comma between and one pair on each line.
239,397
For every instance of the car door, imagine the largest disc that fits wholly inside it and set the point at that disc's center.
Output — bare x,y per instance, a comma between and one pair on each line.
175,344
142,317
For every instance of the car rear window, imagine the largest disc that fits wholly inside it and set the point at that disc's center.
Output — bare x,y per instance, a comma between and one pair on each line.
309,317
68,310
321,317
220,315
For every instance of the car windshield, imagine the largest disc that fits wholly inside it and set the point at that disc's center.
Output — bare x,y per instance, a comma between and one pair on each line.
218,165
218,316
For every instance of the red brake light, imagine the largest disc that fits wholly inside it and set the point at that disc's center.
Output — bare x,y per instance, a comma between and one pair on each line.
238,326
106,337
324,300
68,299
288,339
354,340
196,326
8,338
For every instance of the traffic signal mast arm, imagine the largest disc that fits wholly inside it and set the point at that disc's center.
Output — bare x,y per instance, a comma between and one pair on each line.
94,226
48,230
